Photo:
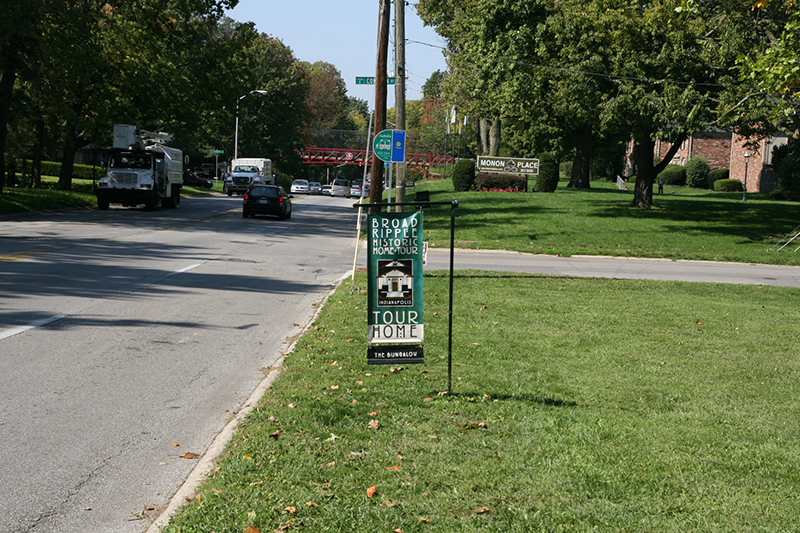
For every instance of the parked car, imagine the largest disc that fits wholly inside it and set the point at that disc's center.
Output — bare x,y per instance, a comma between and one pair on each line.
340,188
299,187
314,187
326,190
355,190
193,180
267,200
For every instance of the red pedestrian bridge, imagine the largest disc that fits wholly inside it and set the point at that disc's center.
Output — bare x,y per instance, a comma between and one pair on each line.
420,163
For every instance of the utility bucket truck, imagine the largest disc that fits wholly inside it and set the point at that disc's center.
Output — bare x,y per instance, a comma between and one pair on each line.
249,171
141,170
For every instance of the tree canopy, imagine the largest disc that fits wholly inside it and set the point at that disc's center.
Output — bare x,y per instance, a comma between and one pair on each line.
560,73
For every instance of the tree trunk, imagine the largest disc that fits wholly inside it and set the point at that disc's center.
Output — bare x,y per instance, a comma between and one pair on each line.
494,138
646,172
68,161
643,155
6,88
483,136
38,143
581,158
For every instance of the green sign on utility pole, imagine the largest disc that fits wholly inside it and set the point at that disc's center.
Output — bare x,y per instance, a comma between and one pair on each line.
370,80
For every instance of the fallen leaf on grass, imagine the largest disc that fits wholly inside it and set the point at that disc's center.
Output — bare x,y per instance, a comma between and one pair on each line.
250,529
290,509
349,340
372,490
334,387
332,463
481,510
374,424
393,468
312,504
396,368
189,455
476,344
397,530
423,519
428,399
390,504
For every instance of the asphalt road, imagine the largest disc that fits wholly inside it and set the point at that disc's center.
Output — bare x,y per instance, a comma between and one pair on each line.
126,332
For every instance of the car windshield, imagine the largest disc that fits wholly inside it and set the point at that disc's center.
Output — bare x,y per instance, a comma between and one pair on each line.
245,168
271,192
129,161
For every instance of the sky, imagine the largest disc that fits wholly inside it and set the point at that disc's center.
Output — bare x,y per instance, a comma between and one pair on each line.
345,34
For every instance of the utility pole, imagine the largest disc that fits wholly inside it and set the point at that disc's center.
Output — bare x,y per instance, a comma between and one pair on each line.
400,90
376,180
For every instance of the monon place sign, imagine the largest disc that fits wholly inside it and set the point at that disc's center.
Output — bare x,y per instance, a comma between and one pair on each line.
510,165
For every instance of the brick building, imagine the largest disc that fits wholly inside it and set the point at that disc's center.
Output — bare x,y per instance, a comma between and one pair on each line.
723,149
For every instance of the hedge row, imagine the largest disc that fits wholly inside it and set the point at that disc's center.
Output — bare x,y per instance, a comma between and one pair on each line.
485,181
53,168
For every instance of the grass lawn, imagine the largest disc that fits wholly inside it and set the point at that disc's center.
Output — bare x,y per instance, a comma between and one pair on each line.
684,224
577,405
20,199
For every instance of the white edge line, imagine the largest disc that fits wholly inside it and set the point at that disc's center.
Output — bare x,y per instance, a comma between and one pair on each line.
185,269
35,324
187,492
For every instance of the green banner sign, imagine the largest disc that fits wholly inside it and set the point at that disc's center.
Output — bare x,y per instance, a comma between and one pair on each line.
394,284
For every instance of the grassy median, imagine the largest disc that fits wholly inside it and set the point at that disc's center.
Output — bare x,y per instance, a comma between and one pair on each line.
577,405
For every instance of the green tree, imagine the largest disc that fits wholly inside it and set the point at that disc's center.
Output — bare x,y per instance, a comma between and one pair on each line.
326,98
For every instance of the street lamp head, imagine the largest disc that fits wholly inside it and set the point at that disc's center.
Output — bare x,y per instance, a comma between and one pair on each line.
746,155
259,91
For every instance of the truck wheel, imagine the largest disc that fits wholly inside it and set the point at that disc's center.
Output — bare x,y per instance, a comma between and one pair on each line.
151,203
230,192
102,204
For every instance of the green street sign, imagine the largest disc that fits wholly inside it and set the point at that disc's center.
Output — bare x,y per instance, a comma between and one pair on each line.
217,151
370,80
382,145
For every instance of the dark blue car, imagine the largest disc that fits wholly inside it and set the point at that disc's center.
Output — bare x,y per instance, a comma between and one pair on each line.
267,200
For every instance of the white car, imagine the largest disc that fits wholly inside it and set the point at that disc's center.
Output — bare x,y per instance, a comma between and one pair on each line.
300,186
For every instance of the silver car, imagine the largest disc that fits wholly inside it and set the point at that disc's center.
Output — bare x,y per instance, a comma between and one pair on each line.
299,187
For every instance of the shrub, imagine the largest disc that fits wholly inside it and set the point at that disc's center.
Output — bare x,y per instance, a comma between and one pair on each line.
547,180
728,185
697,170
673,175
486,181
53,168
717,174
778,194
464,175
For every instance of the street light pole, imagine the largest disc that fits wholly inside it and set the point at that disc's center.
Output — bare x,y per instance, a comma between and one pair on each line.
236,132
746,160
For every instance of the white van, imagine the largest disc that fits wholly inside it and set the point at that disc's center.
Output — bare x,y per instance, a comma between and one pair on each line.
340,188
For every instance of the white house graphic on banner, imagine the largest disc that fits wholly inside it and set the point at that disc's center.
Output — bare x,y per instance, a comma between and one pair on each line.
396,282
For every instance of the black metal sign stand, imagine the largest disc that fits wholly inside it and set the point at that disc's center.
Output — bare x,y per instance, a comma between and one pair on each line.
421,205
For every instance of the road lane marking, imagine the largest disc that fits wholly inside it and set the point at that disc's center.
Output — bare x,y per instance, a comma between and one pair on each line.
185,269
21,255
35,324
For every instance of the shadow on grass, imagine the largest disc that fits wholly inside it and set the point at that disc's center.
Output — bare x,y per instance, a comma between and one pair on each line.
524,397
